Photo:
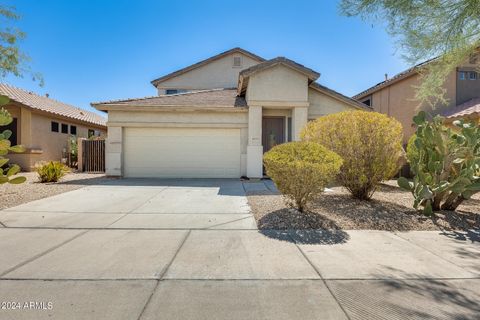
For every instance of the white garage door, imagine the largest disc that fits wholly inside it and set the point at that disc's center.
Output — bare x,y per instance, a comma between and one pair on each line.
181,153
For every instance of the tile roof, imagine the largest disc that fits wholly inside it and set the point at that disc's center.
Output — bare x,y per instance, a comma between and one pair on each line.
45,104
206,61
201,98
471,107
393,79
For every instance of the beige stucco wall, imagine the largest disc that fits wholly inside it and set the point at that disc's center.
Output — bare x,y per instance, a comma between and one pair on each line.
322,104
398,100
34,132
217,74
118,120
277,84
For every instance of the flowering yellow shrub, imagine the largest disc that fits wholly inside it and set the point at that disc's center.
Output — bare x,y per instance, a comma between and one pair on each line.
301,170
369,143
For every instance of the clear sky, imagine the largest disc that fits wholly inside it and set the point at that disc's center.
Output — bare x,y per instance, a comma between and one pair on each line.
111,49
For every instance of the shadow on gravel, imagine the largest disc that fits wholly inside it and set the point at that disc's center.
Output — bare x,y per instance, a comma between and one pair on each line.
291,219
322,237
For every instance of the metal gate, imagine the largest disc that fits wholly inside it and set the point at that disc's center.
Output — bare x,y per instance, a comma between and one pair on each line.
92,156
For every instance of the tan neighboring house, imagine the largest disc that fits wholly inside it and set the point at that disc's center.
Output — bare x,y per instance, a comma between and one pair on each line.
216,118
43,126
396,96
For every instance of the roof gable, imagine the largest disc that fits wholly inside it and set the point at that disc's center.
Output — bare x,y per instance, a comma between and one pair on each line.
197,65
245,74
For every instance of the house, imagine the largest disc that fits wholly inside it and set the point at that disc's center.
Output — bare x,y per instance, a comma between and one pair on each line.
216,118
396,96
43,126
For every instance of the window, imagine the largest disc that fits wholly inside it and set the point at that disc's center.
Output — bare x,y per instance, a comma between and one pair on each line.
461,75
54,126
367,102
175,91
237,61
91,133
12,127
73,130
64,128
472,75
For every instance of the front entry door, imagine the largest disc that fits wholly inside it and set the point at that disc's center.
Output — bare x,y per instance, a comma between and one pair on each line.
273,132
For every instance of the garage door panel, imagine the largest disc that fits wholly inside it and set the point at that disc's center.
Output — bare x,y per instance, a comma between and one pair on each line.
182,152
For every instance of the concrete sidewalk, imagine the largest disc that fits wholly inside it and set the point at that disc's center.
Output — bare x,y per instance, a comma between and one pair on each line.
132,253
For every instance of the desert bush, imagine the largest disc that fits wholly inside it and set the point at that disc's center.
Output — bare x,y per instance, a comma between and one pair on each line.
369,143
412,152
51,171
6,173
301,170
445,164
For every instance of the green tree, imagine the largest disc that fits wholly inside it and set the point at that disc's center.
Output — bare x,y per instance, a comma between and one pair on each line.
12,59
447,31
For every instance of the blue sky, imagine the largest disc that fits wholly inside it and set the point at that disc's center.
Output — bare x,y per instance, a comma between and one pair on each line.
100,50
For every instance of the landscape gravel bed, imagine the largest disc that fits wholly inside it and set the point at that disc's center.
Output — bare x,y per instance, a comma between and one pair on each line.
390,209
13,195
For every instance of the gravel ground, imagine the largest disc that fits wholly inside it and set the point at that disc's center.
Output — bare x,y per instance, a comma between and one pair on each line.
390,209
14,195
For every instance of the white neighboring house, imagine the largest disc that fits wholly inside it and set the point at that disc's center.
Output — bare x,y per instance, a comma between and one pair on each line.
216,118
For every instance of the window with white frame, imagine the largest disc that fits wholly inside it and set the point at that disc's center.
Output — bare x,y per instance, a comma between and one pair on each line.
461,75
472,75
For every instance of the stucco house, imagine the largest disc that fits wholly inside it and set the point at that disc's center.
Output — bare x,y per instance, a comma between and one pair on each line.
43,125
396,95
216,118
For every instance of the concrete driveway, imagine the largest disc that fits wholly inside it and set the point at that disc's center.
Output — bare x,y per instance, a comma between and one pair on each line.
189,249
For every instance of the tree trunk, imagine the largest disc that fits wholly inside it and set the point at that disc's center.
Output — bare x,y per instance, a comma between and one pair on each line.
452,202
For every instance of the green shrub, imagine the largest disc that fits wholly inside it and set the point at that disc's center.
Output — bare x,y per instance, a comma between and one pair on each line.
301,170
445,163
6,147
51,171
369,143
412,152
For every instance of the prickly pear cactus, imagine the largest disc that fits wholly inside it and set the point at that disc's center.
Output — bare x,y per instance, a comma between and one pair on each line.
5,147
446,164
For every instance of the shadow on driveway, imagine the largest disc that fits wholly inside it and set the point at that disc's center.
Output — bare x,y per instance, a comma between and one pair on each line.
227,187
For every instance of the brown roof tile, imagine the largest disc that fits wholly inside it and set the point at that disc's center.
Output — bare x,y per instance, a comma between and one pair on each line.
202,98
471,107
45,104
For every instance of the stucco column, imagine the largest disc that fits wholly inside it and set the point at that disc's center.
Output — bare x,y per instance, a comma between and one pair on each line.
25,128
299,120
113,151
254,147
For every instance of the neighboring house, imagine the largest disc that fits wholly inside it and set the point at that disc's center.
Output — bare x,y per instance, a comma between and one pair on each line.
43,126
396,96
237,106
